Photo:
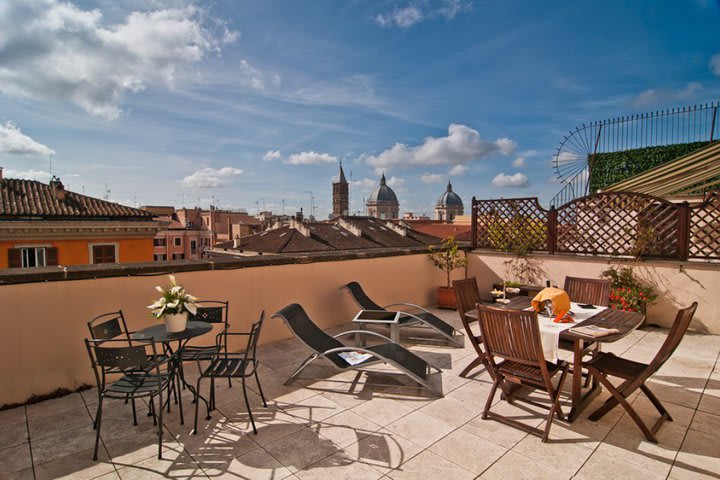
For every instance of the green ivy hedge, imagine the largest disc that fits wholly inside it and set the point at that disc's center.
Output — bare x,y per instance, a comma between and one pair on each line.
613,167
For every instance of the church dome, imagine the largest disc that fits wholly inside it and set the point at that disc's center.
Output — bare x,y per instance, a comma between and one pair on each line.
383,193
449,198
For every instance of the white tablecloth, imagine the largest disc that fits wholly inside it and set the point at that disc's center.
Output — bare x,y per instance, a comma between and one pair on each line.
550,331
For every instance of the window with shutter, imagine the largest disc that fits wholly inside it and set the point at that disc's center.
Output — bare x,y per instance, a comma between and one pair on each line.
14,258
103,254
51,256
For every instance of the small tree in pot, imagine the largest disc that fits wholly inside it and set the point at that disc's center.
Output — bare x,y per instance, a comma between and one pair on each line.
447,257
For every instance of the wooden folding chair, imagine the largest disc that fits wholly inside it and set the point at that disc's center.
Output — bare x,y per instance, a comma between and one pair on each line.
595,291
636,375
468,296
514,337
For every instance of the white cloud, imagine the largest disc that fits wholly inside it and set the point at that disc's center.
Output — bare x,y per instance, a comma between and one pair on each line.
56,51
656,96
519,162
432,178
14,142
517,180
715,64
311,158
413,13
365,184
398,184
271,155
254,78
462,145
32,174
210,177
458,170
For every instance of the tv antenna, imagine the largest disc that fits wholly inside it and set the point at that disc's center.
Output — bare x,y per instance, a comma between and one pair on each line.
312,203
283,206
107,192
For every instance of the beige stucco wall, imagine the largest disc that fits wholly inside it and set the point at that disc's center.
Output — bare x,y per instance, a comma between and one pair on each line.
44,324
678,283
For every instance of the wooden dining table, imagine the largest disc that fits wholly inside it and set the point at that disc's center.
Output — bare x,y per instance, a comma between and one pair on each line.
625,322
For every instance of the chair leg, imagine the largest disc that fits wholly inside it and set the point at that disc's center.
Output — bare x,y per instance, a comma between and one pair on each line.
304,364
212,394
98,423
247,404
475,363
628,408
654,400
197,405
151,409
132,404
555,408
160,425
180,405
257,380
490,398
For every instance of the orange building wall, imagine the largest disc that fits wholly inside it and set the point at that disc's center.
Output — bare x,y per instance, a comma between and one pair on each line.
76,252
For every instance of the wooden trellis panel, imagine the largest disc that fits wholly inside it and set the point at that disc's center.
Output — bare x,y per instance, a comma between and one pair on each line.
509,225
618,224
705,229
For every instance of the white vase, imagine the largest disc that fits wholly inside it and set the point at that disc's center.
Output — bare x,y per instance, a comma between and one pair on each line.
176,322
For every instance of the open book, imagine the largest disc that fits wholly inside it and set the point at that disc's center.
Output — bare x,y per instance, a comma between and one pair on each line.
354,358
593,331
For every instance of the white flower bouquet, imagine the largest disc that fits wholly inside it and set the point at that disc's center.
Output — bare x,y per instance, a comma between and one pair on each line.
174,300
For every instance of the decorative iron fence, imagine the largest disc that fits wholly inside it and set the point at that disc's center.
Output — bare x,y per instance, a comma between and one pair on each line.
609,224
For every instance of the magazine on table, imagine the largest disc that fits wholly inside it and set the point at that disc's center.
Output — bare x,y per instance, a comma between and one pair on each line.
593,331
354,358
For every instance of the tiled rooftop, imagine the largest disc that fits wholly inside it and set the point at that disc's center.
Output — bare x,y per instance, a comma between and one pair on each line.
344,425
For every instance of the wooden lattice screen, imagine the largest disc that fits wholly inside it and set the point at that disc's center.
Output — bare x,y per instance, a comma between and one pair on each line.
612,224
704,241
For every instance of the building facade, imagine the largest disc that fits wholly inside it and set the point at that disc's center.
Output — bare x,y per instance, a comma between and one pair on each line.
383,202
177,241
448,206
46,225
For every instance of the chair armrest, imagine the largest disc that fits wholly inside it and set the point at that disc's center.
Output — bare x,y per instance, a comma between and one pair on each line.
411,305
367,332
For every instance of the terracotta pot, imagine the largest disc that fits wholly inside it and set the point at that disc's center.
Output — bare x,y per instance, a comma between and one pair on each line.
446,298
176,322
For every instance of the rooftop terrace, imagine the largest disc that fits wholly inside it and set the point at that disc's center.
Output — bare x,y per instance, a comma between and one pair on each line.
337,425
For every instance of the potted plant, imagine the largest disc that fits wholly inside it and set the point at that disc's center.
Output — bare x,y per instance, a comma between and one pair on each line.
629,292
447,257
173,306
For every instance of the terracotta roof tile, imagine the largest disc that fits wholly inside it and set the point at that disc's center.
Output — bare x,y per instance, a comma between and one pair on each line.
30,198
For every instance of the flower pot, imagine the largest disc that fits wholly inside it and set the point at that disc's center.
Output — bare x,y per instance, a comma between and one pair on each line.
176,322
446,298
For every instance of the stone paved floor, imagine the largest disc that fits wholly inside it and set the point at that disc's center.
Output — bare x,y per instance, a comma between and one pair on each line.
377,425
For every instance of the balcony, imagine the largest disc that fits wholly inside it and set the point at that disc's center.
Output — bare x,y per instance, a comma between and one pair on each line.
330,424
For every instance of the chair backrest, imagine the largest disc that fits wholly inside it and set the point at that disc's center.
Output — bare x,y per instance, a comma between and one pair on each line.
253,337
361,297
109,356
308,333
511,335
588,290
674,337
468,296
211,311
108,326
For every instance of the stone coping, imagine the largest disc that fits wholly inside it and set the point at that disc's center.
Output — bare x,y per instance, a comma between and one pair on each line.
87,272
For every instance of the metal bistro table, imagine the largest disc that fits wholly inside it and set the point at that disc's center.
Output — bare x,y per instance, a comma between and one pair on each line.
623,321
160,334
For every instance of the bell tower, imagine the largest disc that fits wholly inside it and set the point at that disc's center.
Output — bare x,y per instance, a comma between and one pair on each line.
341,195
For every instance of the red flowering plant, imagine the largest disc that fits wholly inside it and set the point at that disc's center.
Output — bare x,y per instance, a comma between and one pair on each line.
628,291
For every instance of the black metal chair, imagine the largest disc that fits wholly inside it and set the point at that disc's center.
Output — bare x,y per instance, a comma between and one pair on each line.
420,317
140,367
234,365
323,345
112,326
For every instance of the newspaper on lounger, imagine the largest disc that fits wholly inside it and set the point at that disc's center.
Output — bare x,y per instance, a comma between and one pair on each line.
354,358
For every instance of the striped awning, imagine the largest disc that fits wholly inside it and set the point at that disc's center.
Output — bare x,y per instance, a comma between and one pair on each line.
692,174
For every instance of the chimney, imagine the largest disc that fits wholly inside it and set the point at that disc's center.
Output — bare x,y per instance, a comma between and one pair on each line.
354,229
396,228
57,188
236,241
300,227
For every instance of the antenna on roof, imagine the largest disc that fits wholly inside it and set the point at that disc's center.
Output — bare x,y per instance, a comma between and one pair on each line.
107,192
51,159
283,206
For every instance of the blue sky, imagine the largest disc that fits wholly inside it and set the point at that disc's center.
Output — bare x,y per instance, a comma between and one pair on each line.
175,102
